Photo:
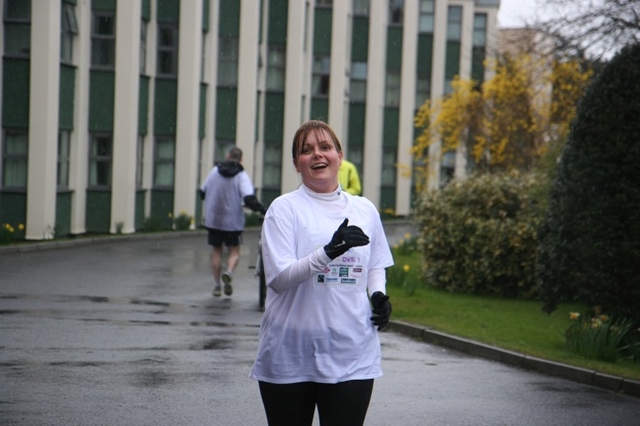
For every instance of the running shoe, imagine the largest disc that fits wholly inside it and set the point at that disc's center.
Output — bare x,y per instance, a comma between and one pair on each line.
227,279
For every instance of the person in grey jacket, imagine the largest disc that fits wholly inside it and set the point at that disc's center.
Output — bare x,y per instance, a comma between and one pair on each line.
225,191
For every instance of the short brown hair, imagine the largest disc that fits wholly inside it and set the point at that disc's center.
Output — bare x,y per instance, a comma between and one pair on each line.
303,132
235,154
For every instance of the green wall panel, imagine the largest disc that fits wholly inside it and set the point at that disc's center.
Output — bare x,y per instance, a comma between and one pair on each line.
169,11
140,209
452,61
391,126
162,206
268,195
15,93
394,47
146,10
357,113
67,92
360,39
143,105
101,101
63,214
274,115
388,199
98,212
425,53
278,21
320,109
203,110
322,31
477,64
103,5
13,208
229,18
166,104
206,7
226,111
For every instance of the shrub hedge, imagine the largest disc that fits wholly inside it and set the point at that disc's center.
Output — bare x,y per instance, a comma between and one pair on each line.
479,235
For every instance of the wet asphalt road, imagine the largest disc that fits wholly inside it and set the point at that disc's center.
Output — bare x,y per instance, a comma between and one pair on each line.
127,333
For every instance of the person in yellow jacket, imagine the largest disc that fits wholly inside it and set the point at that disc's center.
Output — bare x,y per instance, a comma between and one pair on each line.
349,178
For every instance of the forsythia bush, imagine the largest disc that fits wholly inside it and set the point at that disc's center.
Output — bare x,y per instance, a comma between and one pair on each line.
479,235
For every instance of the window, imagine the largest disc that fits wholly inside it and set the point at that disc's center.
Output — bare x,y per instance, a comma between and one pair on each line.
276,65
321,74
392,90
358,88
479,30
15,159
356,156
100,153
143,47
139,161
425,25
454,23
389,160
423,90
103,40
164,162
64,150
228,61
272,166
167,50
17,28
69,27
361,7
396,12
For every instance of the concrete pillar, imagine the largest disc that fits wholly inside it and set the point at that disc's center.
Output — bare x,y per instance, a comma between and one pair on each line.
374,115
340,65
43,119
125,116
407,106
187,137
297,85
248,83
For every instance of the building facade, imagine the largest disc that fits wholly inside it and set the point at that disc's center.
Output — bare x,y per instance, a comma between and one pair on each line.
114,111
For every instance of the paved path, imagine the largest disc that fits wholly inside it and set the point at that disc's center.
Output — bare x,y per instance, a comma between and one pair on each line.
127,333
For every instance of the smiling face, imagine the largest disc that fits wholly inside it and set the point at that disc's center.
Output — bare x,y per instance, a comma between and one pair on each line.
318,160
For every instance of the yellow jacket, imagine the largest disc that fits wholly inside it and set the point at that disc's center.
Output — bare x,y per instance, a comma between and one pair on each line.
349,178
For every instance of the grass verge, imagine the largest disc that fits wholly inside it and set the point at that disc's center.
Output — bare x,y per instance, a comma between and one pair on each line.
517,325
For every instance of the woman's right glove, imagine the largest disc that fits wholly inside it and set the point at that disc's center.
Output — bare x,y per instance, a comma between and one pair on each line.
381,309
345,238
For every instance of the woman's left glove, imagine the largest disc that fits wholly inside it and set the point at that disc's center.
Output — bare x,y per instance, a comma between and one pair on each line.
381,309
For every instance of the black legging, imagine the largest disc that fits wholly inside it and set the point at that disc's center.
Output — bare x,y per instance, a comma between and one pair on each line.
340,404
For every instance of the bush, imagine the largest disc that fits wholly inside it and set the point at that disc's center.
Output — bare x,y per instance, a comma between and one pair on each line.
10,234
597,336
478,235
590,239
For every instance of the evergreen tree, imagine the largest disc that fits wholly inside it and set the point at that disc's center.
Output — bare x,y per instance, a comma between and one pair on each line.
589,242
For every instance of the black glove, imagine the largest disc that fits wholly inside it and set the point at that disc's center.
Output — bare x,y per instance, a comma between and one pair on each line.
381,309
345,238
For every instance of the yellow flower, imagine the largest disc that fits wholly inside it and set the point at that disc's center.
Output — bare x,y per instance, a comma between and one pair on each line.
603,317
170,214
407,236
574,315
405,268
21,227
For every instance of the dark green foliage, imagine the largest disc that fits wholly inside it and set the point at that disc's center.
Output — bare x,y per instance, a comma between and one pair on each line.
479,235
590,239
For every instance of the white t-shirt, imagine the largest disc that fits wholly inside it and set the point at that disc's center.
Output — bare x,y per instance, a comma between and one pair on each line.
318,327
223,203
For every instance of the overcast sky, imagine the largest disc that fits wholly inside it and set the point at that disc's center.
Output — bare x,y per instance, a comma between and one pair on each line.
511,12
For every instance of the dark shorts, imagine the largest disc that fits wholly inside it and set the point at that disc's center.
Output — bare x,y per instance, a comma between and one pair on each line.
229,238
